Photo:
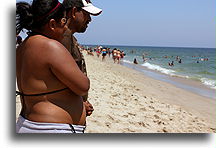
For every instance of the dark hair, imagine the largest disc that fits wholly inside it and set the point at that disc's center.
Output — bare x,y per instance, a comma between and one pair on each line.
72,3
36,15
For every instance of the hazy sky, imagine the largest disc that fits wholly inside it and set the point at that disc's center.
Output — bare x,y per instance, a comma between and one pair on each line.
184,23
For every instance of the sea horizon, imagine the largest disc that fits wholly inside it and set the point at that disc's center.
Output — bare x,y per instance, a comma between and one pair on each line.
157,46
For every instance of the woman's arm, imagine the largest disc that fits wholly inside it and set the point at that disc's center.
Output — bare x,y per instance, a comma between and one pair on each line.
66,70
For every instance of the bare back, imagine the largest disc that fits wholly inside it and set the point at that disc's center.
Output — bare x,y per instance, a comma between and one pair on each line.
44,65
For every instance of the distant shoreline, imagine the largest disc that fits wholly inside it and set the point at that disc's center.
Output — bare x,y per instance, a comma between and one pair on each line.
104,45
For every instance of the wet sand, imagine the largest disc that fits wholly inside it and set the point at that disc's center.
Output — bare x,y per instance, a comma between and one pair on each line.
180,82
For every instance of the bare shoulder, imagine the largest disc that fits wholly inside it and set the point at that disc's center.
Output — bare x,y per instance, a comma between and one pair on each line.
55,45
46,46
54,48
49,44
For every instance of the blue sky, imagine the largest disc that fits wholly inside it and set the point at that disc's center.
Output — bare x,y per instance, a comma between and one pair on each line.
175,23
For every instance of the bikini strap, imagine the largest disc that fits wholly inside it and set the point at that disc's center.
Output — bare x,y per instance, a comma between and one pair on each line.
41,94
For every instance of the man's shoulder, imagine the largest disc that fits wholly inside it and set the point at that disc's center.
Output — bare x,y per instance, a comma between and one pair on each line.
75,43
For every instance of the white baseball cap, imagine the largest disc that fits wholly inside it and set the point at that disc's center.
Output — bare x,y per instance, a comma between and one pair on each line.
90,8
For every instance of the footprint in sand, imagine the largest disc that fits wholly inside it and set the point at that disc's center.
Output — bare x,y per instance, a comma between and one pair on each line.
143,109
151,107
165,130
114,95
108,124
142,124
156,116
125,116
131,114
110,117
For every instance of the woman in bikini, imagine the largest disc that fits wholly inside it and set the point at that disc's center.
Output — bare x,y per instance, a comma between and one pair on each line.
114,54
118,56
50,90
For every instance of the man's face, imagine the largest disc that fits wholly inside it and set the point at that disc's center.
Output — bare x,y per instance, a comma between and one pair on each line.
81,21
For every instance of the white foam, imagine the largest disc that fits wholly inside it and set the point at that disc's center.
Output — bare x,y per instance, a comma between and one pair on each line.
158,68
181,76
127,61
208,82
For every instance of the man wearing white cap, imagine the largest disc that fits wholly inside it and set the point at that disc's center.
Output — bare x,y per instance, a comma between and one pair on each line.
78,13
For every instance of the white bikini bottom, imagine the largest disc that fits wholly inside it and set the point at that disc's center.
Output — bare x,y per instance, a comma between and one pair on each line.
25,126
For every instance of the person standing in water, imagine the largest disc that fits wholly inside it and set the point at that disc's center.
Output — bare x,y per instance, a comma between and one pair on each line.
104,53
135,61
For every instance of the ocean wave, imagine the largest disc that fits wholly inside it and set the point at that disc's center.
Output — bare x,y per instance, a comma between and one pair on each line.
182,76
209,82
158,68
206,73
127,61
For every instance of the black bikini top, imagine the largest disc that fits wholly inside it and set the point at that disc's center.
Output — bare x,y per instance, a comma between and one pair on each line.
40,94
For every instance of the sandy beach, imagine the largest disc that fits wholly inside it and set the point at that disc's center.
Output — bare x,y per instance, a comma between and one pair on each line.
126,101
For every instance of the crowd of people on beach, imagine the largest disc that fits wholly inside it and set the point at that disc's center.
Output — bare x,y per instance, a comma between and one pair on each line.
115,54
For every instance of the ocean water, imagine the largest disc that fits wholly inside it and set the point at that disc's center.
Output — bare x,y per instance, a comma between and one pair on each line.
193,64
